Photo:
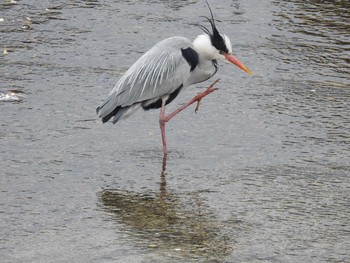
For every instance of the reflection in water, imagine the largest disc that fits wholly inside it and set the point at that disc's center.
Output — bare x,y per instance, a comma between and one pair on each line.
163,173
166,223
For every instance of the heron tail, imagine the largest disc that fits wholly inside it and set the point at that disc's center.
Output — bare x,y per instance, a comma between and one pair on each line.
105,112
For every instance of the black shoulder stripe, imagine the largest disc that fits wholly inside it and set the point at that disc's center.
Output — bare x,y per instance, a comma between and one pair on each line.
191,57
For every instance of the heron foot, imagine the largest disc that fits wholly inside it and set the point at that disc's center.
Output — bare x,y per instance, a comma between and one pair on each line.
163,119
201,95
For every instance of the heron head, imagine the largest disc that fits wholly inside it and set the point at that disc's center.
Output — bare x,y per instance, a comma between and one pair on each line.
216,46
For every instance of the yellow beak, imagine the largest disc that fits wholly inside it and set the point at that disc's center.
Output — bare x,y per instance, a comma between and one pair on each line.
239,64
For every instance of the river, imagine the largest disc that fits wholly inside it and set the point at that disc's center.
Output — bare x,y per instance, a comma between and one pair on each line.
260,174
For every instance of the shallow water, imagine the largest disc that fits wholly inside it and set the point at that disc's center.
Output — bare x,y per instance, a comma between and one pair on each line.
260,174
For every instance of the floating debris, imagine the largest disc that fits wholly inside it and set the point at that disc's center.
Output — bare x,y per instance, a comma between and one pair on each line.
27,22
2,19
11,96
5,52
10,2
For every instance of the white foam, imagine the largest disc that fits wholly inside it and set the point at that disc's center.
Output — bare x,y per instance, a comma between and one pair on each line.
9,96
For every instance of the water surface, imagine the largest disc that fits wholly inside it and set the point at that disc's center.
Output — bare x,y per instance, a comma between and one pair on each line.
259,174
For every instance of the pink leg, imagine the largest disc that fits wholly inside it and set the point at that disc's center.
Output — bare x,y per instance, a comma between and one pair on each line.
197,99
163,119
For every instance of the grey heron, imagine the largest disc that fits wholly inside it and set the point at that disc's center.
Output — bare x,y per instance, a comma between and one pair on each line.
173,64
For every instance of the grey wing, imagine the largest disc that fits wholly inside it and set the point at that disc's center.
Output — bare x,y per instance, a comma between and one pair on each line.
157,73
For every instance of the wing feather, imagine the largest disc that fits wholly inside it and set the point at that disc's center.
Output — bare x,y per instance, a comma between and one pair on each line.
158,72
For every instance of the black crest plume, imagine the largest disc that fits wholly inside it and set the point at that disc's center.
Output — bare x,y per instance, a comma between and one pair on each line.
216,39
